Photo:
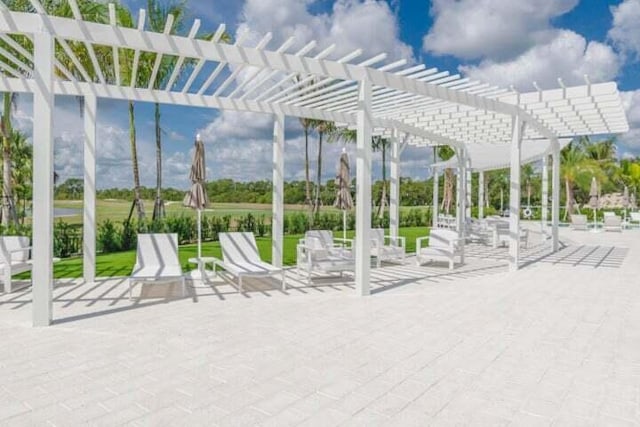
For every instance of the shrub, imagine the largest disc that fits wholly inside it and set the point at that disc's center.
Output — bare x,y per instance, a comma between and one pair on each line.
109,237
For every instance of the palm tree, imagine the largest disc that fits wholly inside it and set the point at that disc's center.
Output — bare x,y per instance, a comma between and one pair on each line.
323,128
382,144
158,14
577,167
445,153
307,125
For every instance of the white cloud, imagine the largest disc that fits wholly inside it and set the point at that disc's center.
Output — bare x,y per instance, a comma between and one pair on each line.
629,143
351,24
625,32
567,55
495,29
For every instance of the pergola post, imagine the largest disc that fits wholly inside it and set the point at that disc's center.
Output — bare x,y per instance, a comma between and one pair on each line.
89,205
480,194
545,192
436,191
394,197
514,193
277,203
555,194
363,189
461,196
42,253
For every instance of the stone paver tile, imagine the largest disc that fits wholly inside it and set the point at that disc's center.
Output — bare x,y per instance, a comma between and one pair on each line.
565,419
276,402
611,421
313,403
328,418
288,417
119,417
525,419
388,404
244,417
621,409
542,407
340,388
580,408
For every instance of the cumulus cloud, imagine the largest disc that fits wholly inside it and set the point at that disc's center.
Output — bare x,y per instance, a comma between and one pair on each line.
567,55
629,143
493,29
351,24
241,143
625,32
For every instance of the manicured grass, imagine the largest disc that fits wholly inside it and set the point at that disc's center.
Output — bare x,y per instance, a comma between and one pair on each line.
121,263
118,210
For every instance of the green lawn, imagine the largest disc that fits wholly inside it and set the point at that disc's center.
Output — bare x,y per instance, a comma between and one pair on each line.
121,264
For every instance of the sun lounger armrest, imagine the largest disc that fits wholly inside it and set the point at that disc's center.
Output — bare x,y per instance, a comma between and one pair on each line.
26,248
419,241
394,239
344,242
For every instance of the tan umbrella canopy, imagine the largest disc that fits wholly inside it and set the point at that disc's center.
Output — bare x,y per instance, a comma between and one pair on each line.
343,194
197,198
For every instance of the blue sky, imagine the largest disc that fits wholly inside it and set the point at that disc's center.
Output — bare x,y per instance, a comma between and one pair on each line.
499,41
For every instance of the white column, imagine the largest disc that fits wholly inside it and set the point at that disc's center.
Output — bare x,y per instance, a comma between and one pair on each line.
89,205
42,227
460,192
480,194
467,189
436,191
363,189
555,194
514,194
545,192
394,205
277,203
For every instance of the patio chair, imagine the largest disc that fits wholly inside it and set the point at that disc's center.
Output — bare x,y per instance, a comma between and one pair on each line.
441,243
477,231
612,223
14,258
240,258
394,250
319,252
500,230
579,222
634,218
157,260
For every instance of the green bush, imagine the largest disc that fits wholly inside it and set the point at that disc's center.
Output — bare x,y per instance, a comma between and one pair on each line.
109,238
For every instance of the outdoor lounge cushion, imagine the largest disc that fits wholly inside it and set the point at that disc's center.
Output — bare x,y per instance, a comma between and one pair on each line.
240,258
157,260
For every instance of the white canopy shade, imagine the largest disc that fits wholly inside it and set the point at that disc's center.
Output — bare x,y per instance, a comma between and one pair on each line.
486,157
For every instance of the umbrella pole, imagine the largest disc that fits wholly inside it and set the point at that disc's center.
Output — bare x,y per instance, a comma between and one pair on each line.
199,233
344,224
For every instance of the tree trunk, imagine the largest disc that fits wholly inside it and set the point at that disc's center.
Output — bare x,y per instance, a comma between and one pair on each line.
158,206
448,190
307,179
383,194
318,175
569,204
8,207
137,201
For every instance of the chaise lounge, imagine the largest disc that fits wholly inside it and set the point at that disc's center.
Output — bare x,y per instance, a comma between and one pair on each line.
157,260
14,258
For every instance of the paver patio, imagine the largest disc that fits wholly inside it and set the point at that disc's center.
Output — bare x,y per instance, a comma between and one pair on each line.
556,343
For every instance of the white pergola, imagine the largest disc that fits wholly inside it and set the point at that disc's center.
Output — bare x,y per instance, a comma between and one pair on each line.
410,102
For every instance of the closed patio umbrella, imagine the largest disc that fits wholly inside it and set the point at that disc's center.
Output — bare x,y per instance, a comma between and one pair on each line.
343,195
632,201
593,200
197,198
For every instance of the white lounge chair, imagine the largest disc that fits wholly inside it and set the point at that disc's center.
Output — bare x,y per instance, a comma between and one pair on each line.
579,222
14,258
157,260
386,248
477,231
500,230
612,223
634,218
319,252
241,259
441,244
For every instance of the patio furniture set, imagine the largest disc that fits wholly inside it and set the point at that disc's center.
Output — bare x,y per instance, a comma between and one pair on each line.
610,222
318,252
